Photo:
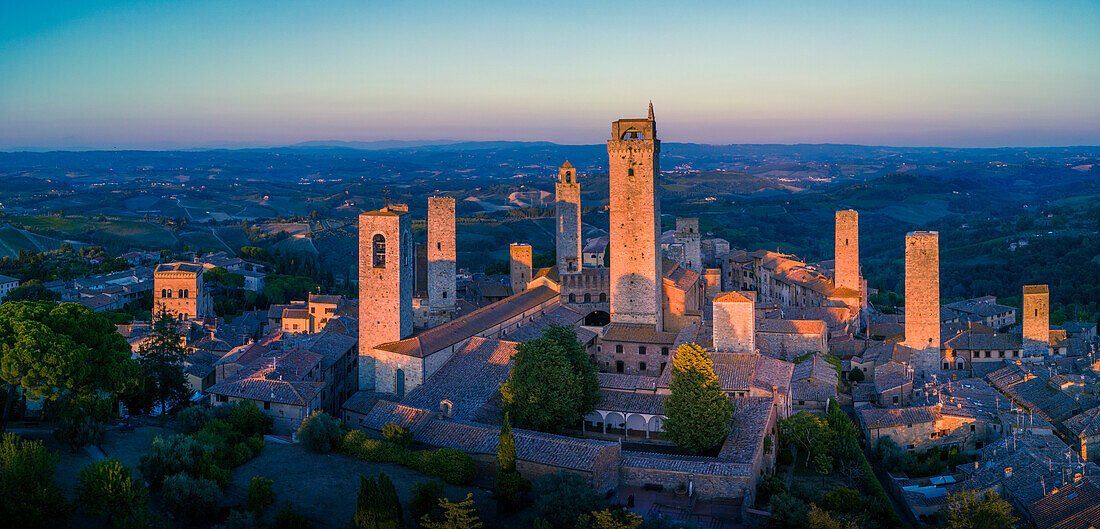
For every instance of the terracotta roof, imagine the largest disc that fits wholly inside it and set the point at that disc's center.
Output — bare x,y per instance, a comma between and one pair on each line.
624,382
892,417
1085,424
179,267
278,379
326,299
702,466
735,297
596,245
385,411
361,402
1074,506
469,379
681,277
295,314
637,333
463,327
815,327
979,308
560,315
814,379
742,371
750,422
631,402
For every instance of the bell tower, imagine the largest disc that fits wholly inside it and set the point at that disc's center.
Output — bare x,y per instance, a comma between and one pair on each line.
568,206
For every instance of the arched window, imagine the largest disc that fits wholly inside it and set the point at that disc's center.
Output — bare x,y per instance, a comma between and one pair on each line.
572,298
181,293
164,292
379,248
186,293
399,383
169,294
587,298
603,297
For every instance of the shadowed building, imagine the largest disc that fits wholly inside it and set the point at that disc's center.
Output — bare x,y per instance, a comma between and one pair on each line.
1036,334
568,208
520,268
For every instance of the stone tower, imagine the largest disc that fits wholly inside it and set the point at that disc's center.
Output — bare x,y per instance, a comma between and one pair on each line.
1036,320
922,300
735,322
846,256
385,283
441,260
634,170
687,234
568,205
521,266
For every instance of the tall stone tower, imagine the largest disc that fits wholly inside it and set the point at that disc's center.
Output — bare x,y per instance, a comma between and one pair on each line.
636,280
521,266
385,283
568,205
687,234
846,256
735,322
441,260
1036,320
922,300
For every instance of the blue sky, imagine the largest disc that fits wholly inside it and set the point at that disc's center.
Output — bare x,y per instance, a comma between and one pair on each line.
181,74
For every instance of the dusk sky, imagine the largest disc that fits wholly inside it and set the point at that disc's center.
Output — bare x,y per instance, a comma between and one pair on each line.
185,74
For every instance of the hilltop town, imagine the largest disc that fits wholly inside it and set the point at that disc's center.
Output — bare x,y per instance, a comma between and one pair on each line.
816,385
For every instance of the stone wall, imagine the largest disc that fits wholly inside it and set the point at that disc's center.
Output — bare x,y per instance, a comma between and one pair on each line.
687,234
922,300
787,346
385,282
704,487
846,257
441,260
734,323
568,207
1036,316
187,297
520,267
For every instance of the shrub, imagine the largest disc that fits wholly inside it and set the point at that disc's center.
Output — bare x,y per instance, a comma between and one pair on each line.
178,453
352,441
397,435
511,487
787,511
841,499
190,498
453,465
425,499
30,497
249,420
79,432
320,433
289,518
381,452
260,493
561,497
107,487
192,418
377,505
769,487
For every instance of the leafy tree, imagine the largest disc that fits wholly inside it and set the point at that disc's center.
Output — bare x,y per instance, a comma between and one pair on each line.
698,411
823,464
192,418
562,497
30,496
967,509
816,518
320,432
808,432
840,423
180,454
453,465
841,499
107,487
79,432
456,515
161,356
377,505
856,375
249,419
553,383
238,519
609,519
65,354
260,493
32,290
190,498
289,518
788,512
425,500
768,487
398,435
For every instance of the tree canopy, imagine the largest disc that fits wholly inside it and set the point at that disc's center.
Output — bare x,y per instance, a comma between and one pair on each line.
970,508
553,383
697,411
161,356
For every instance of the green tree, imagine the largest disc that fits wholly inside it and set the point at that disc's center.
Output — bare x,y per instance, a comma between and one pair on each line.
456,515
856,375
261,493
562,497
609,519
697,411
32,290
320,432
816,518
377,505
288,518
553,383
30,496
510,485
788,512
807,432
108,488
968,509
65,354
161,356
190,498
425,499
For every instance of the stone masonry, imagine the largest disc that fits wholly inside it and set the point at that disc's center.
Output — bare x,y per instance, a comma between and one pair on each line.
521,266
385,283
1036,334
568,206
846,257
735,322
635,217
687,234
922,300
441,260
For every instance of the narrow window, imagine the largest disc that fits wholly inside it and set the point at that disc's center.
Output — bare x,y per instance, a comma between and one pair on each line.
641,366
630,172
619,348
379,245
641,349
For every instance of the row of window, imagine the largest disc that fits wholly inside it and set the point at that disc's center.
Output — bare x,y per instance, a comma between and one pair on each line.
167,293
641,349
642,366
588,298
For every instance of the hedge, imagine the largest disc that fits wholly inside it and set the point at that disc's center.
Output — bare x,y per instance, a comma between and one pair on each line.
449,464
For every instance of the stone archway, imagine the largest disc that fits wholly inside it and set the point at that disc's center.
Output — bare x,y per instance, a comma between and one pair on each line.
597,318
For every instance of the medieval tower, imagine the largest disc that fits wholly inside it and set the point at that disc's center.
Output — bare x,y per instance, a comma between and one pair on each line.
687,234
633,167
1036,338
441,260
735,322
922,300
568,205
520,267
846,251
385,283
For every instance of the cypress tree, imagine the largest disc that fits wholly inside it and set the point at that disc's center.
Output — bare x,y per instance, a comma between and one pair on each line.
377,505
506,448
698,411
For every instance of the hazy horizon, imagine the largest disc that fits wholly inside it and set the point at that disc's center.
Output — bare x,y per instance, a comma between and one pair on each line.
164,75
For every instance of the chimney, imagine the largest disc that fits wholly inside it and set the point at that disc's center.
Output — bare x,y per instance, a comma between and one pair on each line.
1008,472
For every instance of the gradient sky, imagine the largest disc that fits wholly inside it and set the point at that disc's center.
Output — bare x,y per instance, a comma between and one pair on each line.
197,73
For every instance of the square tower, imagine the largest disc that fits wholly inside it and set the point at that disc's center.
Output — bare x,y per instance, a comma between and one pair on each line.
636,278
520,266
922,299
567,203
846,251
385,283
441,260
178,287
735,322
687,235
1036,338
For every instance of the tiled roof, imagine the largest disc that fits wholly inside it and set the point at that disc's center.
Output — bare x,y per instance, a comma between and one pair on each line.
637,333
463,327
554,450
1074,506
814,379
596,245
560,315
681,277
1085,424
979,308
325,299
751,418
742,371
972,341
892,417
624,382
469,379
361,402
703,466
631,402
385,411
278,379
735,297
1036,289
815,327
179,267
296,314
